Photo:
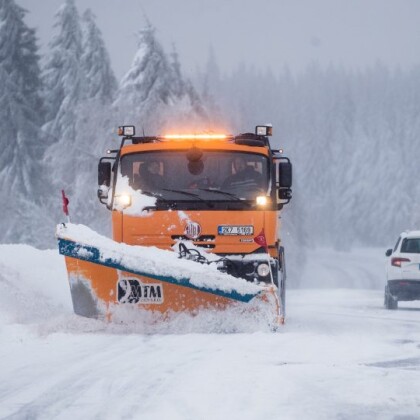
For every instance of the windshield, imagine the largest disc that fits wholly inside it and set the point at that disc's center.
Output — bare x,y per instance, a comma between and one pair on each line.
198,174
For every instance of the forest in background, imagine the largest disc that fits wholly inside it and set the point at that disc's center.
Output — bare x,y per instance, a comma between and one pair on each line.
353,136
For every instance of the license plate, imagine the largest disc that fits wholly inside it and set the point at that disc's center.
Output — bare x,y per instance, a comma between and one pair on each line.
235,230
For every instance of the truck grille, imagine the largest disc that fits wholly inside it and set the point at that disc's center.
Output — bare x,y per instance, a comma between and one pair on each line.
203,241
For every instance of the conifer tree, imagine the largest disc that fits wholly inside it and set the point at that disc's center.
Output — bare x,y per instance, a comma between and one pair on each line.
68,156
22,180
147,85
153,90
209,82
21,105
100,80
63,76
95,115
183,88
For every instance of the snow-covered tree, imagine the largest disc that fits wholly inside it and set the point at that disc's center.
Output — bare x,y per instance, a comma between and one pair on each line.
63,75
21,105
153,93
80,86
100,80
22,180
95,107
64,90
95,115
212,76
147,83
211,93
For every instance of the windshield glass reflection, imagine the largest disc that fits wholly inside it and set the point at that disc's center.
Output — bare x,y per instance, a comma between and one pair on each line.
210,175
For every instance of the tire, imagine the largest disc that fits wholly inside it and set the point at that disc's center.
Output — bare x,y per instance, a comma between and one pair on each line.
390,301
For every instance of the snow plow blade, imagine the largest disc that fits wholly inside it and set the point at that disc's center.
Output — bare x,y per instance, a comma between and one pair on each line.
106,277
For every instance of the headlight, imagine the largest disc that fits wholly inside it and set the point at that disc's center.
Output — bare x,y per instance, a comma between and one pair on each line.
263,270
261,200
123,201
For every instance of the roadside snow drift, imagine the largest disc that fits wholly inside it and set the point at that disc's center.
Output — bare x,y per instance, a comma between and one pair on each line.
33,285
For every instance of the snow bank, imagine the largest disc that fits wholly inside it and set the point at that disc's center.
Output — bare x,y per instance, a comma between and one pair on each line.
33,284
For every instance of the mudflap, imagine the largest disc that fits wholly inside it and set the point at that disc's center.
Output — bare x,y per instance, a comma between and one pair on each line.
282,285
106,287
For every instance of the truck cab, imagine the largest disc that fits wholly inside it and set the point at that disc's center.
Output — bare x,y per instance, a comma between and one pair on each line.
217,191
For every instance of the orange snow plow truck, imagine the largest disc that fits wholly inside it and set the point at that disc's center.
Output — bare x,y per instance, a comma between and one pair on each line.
212,201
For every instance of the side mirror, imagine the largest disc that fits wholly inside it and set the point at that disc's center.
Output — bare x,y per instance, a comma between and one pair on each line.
285,194
388,252
103,192
285,174
104,173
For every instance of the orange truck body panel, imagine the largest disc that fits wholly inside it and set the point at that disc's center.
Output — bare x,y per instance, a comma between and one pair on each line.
158,227
161,228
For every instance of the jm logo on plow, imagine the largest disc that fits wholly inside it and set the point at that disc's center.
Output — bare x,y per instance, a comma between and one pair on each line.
132,291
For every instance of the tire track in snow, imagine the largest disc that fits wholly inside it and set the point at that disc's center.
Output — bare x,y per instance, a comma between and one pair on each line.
85,383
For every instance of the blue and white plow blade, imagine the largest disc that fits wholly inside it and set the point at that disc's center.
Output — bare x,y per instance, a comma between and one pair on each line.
104,275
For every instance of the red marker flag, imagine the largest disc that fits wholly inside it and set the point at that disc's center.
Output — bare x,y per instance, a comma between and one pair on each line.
65,203
260,240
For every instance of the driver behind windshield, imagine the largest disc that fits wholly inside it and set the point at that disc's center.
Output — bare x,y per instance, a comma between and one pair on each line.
149,176
245,176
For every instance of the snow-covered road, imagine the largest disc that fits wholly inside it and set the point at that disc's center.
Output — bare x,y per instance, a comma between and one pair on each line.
339,356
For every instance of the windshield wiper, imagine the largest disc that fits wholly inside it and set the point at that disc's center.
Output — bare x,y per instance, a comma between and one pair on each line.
170,203
209,203
222,192
234,196
154,194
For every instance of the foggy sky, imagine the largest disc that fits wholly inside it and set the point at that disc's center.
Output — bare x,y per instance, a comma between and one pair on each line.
265,33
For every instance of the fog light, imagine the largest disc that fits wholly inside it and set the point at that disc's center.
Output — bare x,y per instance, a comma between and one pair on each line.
263,270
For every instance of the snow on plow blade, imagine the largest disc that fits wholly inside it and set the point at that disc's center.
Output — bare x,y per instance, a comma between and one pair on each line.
105,276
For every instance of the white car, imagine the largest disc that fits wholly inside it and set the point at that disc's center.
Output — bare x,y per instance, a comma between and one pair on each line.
403,270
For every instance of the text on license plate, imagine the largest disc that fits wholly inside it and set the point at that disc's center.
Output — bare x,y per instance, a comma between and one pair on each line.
235,230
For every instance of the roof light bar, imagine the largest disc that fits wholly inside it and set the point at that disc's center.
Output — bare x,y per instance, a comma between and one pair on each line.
196,136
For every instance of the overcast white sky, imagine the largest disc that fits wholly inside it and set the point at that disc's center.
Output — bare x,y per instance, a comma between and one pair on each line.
267,33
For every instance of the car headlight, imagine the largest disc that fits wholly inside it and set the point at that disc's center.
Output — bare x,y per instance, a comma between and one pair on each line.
261,200
123,201
263,270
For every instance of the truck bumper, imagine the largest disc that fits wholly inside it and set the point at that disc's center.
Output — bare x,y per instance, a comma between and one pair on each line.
245,267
